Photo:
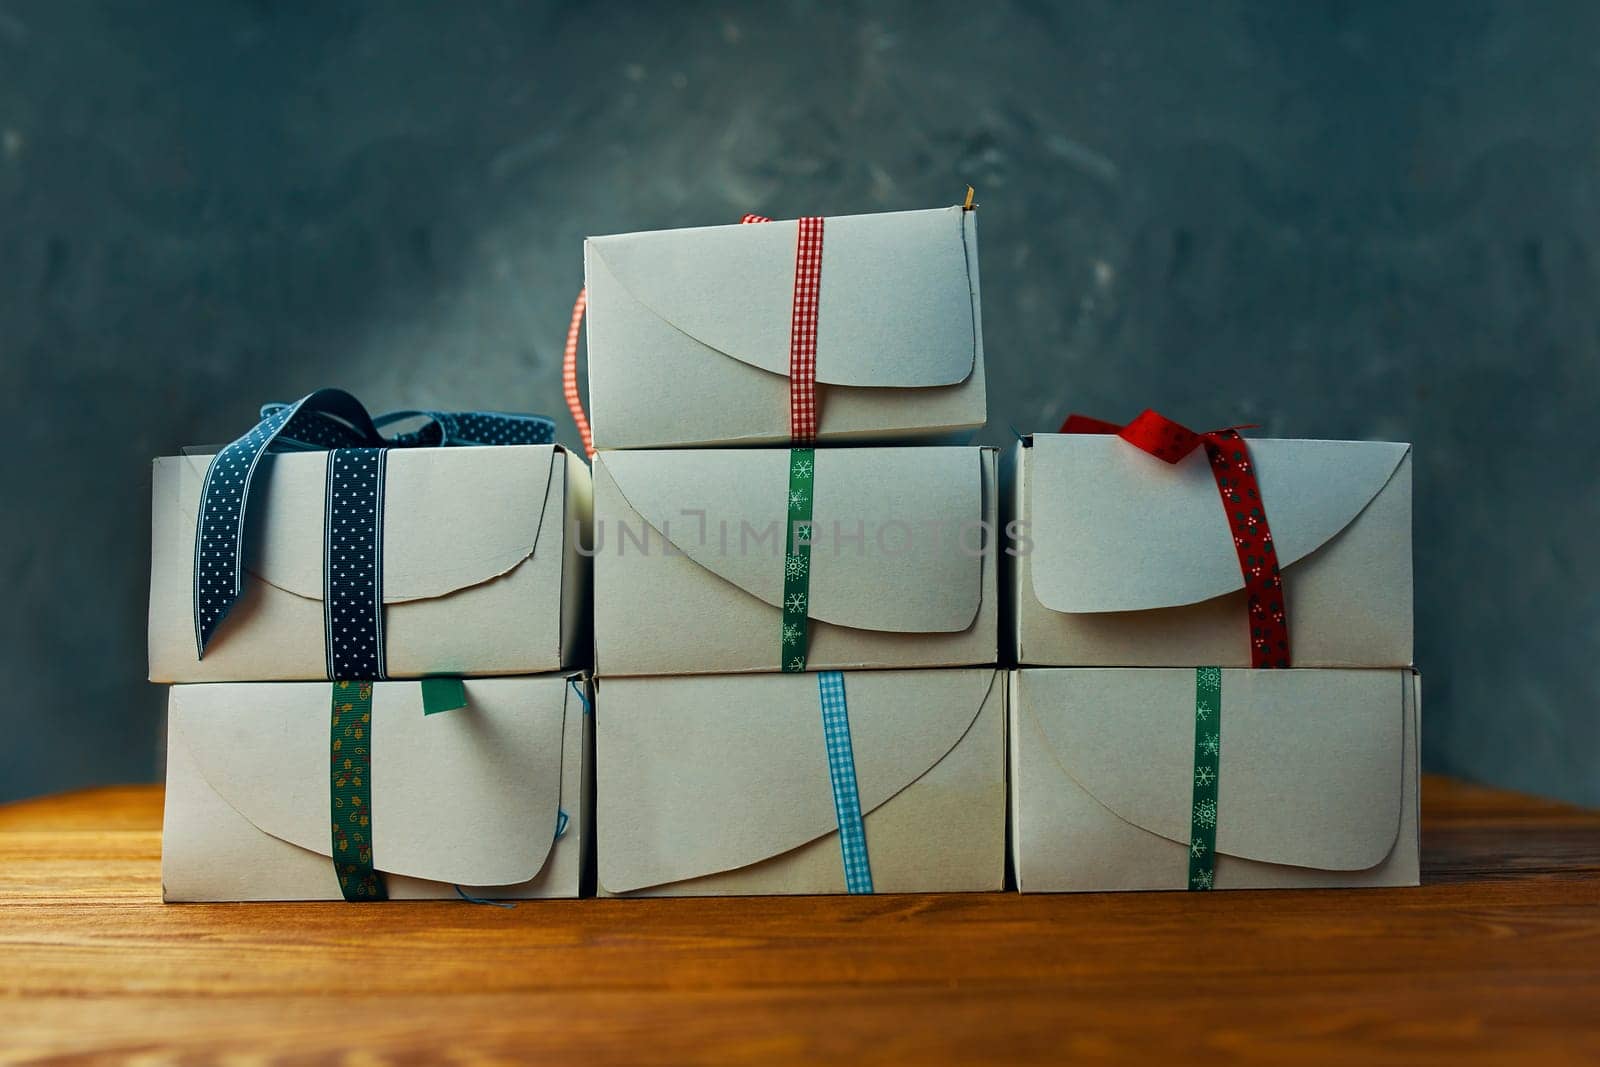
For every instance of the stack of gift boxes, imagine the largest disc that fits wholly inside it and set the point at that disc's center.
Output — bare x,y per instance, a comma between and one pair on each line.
1157,740
804,589
370,645
796,609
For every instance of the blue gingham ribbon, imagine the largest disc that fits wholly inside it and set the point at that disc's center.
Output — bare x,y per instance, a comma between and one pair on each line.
842,771
335,421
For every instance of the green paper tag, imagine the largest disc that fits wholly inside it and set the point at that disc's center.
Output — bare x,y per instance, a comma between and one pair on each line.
443,694
797,560
1207,763
350,792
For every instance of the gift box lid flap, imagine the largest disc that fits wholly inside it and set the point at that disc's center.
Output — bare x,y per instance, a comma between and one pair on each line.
453,517
1116,529
894,310
469,796
914,578
706,774
1311,762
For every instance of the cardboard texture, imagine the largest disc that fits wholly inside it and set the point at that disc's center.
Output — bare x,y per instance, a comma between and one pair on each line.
1318,778
688,332
902,573
467,797
719,785
482,572
1129,561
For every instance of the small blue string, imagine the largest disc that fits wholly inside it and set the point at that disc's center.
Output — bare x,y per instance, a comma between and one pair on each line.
588,709
470,899
561,828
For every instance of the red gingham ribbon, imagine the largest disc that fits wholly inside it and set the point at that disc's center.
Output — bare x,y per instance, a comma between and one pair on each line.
803,332
803,328
1241,501
802,340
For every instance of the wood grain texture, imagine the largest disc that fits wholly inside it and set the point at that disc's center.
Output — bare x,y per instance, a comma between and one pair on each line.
1495,959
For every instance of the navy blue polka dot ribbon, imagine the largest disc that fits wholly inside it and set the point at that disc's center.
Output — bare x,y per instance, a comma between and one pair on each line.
352,570
330,420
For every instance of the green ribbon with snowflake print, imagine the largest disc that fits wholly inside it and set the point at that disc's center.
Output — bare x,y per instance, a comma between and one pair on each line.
1207,764
797,560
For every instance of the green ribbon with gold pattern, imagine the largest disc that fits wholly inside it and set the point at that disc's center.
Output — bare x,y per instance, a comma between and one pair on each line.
350,789
1207,764
797,560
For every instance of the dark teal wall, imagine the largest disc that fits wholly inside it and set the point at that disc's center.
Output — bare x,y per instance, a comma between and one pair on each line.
1334,219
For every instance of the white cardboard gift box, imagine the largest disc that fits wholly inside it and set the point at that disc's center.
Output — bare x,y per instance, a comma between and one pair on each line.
688,331
470,797
482,568
1317,780
719,785
903,564
1121,559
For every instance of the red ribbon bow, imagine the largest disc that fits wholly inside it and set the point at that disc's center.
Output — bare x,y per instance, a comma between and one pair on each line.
1241,500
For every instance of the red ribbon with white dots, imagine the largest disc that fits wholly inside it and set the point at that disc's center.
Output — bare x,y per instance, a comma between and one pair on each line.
1241,500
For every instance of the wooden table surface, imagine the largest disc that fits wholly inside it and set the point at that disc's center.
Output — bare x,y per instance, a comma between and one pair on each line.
1495,959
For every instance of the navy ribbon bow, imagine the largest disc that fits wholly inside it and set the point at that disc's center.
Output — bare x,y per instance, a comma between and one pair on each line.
334,421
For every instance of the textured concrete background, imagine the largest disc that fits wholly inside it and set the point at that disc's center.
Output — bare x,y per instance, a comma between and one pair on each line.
1334,219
